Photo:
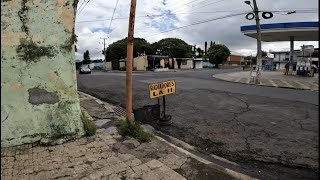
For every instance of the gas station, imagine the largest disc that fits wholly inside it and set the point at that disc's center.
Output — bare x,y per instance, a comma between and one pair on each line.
291,31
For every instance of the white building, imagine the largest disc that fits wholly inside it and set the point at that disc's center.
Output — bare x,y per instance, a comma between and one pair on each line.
281,58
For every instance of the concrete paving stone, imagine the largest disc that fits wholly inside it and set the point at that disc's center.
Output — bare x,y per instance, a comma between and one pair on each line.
107,170
98,144
101,122
141,169
106,154
148,128
168,173
111,131
93,157
125,157
151,175
109,108
102,162
113,160
105,137
96,175
134,162
120,167
99,101
110,141
153,164
173,161
114,177
132,141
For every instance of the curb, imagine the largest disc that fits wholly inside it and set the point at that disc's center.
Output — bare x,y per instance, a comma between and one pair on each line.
232,173
286,87
185,148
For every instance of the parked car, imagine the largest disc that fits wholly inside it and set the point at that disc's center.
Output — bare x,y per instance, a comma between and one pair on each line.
84,70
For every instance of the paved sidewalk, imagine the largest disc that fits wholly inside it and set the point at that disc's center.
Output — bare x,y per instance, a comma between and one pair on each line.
273,79
106,155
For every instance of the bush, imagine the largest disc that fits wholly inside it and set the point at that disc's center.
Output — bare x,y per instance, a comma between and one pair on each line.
89,127
134,130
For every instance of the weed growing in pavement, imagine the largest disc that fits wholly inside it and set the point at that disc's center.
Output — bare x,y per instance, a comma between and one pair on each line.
88,124
134,130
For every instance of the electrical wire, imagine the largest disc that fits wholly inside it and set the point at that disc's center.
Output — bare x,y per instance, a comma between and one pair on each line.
84,7
201,22
114,10
81,4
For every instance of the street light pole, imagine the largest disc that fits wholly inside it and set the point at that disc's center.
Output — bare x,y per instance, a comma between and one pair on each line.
259,50
129,62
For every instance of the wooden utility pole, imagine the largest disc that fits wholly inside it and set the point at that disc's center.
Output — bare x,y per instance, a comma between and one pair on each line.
129,62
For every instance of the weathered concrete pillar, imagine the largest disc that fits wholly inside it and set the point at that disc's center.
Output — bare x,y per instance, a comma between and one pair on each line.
38,76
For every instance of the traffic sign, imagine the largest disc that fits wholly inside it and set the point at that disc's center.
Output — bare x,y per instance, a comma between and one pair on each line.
162,88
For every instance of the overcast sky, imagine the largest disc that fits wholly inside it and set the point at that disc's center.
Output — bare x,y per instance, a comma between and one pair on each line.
156,16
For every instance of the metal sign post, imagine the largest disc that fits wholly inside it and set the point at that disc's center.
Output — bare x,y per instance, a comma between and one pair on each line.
157,90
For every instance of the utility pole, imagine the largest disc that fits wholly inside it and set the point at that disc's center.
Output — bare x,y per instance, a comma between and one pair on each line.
259,51
104,49
129,62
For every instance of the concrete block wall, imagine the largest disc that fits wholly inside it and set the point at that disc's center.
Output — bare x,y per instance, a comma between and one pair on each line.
38,77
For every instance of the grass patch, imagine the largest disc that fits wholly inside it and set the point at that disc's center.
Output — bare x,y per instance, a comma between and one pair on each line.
89,127
134,130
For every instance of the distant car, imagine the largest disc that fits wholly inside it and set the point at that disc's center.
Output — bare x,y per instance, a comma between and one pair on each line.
84,70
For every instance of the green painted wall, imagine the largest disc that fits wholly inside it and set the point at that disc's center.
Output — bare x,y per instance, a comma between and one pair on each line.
38,76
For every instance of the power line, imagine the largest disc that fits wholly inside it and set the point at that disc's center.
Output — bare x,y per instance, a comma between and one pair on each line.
81,4
114,10
179,6
118,18
206,5
84,7
194,8
201,22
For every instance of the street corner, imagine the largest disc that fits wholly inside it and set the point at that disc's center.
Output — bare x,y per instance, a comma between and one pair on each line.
293,83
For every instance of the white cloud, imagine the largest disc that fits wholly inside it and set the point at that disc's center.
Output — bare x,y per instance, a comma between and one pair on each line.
182,12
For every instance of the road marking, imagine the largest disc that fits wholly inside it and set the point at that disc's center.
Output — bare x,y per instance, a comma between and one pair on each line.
286,83
302,85
273,83
260,83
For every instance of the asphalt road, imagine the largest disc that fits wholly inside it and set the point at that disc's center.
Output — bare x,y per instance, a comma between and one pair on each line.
272,133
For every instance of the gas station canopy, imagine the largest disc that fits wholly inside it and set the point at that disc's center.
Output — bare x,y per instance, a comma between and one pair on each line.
300,31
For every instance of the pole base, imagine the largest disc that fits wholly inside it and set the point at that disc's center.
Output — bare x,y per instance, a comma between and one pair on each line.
165,121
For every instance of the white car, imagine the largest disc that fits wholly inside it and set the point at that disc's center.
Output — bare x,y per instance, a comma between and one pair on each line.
84,70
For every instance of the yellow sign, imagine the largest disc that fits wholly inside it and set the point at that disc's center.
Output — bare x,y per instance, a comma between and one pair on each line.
162,88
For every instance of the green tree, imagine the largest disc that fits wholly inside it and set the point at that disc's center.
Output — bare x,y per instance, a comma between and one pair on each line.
264,54
174,47
118,49
86,57
218,53
200,52
205,47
